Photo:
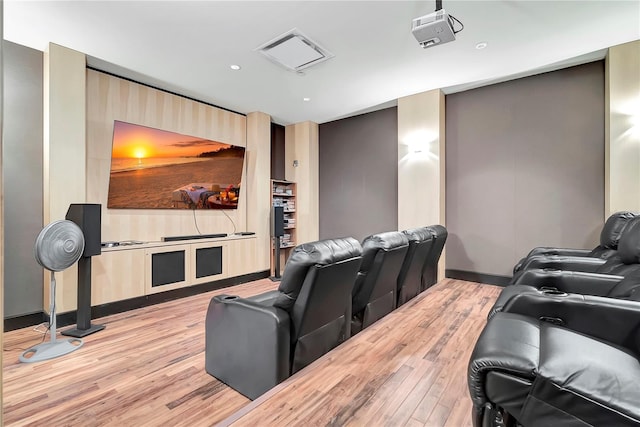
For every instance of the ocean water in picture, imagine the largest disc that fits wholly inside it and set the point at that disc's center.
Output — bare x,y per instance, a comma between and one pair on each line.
124,164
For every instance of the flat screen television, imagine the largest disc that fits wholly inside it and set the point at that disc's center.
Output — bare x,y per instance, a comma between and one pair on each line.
158,169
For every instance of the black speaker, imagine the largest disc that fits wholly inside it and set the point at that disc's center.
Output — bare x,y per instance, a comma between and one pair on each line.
277,221
88,217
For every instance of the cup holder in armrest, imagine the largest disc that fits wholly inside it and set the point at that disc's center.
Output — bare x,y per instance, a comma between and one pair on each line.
553,291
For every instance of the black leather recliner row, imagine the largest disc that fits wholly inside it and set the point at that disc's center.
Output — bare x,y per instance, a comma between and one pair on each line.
553,352
330,290
527,370
609,238
603,258
254,343
396,266
617,277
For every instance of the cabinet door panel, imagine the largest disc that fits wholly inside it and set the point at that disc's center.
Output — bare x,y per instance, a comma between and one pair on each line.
117,275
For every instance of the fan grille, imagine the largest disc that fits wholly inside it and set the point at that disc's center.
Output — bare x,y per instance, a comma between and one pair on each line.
59,245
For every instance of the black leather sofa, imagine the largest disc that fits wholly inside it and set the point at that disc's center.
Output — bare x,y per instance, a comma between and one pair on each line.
573,361
421,242
374,293
252,344
609,237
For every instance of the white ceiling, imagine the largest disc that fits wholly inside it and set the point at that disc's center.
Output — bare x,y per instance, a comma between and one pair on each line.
187,47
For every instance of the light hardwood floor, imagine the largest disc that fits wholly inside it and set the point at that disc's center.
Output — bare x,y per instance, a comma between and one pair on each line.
147,369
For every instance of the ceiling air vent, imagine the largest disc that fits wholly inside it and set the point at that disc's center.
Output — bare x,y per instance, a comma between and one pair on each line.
294,51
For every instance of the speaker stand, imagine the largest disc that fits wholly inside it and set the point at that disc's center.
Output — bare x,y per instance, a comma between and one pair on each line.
276,268
83,326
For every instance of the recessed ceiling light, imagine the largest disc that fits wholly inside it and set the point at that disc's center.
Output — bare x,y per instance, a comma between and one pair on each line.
481,45
306,99
234,67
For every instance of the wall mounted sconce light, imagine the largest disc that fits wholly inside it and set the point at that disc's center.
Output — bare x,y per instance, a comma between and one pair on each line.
420,142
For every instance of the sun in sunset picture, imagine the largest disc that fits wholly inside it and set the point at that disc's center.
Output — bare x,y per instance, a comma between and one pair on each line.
154,168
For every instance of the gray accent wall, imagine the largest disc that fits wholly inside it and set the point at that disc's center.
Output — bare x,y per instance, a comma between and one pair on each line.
22,177
524,168
358,159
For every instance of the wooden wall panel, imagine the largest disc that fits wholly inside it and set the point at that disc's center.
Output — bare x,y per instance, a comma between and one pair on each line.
64,153
421,162
301,145
258,169
622,128
110,98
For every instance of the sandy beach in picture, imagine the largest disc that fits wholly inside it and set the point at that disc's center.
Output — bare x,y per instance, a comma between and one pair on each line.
153,187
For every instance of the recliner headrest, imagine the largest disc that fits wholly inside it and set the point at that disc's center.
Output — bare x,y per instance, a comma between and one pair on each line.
614,228
438,231
418,234
322,252
629,245
386,241
381,241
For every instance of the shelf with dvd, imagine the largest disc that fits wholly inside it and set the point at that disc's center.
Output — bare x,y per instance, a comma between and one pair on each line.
283,193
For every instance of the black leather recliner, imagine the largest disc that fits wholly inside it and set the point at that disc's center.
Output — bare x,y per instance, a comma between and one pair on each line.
252,344
609,237
374,294
621,281
569,363
430,270
410,278
621,263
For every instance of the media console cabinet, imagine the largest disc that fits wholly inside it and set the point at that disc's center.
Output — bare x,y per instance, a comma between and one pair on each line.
123,272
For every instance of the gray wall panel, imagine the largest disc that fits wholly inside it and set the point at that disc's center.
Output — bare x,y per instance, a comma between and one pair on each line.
22,176
525,168
359,175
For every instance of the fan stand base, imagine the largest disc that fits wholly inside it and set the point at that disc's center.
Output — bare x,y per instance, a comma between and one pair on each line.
80,333
50,350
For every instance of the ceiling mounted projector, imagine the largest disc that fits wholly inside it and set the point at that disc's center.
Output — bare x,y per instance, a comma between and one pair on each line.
434,29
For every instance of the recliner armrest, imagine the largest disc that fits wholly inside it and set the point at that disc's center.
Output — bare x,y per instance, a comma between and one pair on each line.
570,281
559,262
544,250
265,298
608,319
247,344
548,251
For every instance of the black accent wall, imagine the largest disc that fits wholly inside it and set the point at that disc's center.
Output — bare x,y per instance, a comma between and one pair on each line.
358,171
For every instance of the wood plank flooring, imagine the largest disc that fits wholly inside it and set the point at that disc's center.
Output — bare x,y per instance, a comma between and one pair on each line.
147,369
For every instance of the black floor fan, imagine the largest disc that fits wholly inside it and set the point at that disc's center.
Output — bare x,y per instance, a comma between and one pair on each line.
58,246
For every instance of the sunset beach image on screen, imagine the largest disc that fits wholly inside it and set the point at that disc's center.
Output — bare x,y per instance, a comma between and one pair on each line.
158,169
